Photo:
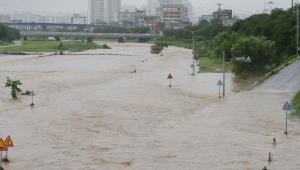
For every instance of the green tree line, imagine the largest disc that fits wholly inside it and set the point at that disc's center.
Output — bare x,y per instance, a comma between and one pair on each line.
8,34
268,39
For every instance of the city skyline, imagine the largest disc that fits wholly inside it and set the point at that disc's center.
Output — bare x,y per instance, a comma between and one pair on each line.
200,6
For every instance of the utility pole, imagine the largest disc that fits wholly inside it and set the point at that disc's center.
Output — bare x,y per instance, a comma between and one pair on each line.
224,82
297,6
194,55
219,8
219,13
292,5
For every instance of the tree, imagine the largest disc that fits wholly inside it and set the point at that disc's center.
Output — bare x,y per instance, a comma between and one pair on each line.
13,84
158,48
57,38
259,49
60,46
8,34
89,40
224,41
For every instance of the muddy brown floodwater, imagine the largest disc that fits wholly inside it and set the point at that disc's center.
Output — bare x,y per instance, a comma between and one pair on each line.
92,113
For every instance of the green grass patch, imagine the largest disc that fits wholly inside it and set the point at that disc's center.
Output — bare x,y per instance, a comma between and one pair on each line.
4,43
213,65
296,104
49,46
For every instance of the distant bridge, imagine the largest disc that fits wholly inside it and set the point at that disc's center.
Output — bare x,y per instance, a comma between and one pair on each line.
85,35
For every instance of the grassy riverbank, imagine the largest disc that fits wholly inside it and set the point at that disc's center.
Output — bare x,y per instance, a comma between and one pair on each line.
296,104
3,43
49,46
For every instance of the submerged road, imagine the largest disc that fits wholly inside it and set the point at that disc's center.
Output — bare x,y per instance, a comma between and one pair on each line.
287,80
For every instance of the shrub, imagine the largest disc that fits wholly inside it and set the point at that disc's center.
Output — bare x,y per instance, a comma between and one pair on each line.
13,84
105,46
296,103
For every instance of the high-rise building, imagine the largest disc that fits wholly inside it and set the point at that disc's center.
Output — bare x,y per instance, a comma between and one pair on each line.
79,19
97,11
4,18
113,8
153,7
104,11
176,13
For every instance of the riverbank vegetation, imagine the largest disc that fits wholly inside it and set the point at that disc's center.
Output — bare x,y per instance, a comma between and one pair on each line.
50,46
266,40
296,104
8,35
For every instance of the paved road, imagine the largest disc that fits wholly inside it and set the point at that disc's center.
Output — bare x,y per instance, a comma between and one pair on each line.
287,80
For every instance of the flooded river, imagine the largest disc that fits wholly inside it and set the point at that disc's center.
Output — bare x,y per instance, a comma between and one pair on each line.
92,113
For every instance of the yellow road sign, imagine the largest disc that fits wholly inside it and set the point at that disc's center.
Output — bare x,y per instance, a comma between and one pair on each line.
170,77
8,142
2,145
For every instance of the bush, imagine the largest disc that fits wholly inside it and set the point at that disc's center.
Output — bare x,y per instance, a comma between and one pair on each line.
105,46
89,40
158,47
259,49
26,93
60,46
13,84
296,103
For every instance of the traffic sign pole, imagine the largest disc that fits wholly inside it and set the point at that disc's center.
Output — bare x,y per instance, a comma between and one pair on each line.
219,92
286,107
286,123
1,160
220,83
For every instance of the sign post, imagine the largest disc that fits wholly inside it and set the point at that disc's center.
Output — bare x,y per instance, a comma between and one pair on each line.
2,148
9,144
220,83
170,78
32,104
286,107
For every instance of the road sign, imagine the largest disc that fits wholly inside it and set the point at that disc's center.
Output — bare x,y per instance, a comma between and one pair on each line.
2,146
287,106
8,142
220,83
170,77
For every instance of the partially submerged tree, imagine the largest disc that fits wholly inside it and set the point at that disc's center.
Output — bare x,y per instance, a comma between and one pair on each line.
60,46
89,40
158,48
13,84
261,51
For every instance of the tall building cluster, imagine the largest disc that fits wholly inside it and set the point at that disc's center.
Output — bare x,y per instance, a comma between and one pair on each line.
176,13
172,13
221,16
104,11
155,15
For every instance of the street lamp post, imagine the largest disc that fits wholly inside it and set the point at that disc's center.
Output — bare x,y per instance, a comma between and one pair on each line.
224,82
194,55
297,38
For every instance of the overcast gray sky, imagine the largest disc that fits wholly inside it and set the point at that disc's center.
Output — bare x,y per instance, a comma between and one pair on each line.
240,7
